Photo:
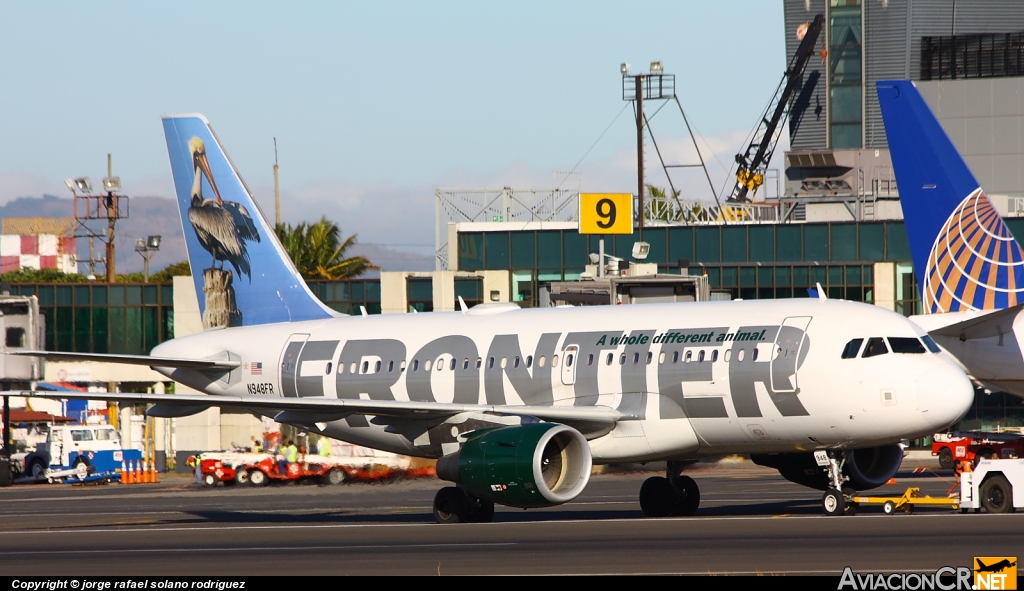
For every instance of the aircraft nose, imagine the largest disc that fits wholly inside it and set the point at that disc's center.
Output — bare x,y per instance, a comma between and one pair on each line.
944,394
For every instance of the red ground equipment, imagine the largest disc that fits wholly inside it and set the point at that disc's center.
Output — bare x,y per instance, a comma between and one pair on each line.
967,446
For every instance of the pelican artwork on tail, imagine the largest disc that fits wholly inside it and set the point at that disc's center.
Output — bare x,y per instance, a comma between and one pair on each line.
222,227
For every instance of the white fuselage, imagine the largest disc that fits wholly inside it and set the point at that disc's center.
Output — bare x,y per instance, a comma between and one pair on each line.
689,379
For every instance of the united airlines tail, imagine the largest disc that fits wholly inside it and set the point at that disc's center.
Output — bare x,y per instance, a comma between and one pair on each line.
965,257
242,275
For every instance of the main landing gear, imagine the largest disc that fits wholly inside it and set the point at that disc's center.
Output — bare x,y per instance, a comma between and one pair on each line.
672,494
837,500
454,505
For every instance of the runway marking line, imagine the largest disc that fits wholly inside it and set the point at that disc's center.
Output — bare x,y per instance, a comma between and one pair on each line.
698,519
264,548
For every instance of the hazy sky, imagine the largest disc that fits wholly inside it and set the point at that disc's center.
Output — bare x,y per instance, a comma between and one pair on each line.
374,104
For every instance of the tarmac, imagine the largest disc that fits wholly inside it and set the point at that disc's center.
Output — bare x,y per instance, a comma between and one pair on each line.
751,521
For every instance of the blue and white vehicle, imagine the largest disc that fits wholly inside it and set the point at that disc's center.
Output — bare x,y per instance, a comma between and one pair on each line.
75,453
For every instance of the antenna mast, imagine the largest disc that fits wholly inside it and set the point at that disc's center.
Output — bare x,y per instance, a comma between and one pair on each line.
277,190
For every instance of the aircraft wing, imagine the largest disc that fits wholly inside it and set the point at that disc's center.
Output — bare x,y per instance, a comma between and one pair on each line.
322,409
981,327
201,364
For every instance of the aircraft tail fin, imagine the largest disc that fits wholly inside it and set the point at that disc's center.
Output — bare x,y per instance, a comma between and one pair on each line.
965,258
241,272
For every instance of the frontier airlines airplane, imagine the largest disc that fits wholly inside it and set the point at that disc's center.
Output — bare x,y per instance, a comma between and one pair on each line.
517,405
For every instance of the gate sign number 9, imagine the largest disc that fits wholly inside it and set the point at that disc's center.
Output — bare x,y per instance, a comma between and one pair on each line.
606,213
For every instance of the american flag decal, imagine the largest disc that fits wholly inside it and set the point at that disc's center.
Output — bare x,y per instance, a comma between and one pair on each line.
256,368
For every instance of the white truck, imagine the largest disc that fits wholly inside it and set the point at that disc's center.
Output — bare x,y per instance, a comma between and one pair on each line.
995,485
78,452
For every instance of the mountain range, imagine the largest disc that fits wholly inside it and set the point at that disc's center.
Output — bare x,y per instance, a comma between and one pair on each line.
159,216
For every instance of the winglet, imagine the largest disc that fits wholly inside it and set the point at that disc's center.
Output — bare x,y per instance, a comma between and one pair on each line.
462,305
362,310
821,292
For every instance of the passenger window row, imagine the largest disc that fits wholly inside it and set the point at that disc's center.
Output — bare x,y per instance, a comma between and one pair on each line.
378,366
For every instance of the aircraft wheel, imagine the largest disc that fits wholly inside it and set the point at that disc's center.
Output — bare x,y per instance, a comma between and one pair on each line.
889,508
257,477
689,496
997,495
833,502
451,506
657,497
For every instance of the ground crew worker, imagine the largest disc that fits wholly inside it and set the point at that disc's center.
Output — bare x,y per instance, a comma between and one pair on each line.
257,446
196,463
282,456
292,453
323,446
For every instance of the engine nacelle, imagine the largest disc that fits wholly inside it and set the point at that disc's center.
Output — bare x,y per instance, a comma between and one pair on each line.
866,468
537,465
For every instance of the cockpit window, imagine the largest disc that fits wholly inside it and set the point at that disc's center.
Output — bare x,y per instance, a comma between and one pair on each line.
875,346
930,343
905,345
852,348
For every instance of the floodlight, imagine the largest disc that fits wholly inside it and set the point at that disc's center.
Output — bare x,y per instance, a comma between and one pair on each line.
656,68
140,245
624,68
71,184
84,185
112,184
154,242
640,250
594,258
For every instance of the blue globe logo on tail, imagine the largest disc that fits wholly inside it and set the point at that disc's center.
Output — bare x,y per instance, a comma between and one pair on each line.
975,263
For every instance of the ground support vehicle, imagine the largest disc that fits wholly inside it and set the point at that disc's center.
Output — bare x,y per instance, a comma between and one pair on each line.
907,501
966,446
79,453
995,485
259,469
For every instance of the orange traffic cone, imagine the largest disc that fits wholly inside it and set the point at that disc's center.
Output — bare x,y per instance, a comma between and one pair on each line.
152,472
138,472
130,478
124,472
891,481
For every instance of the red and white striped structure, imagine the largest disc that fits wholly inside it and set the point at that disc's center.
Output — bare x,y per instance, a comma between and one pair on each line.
42,251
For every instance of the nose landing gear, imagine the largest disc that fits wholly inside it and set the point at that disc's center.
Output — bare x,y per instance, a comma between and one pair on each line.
673,494
837,500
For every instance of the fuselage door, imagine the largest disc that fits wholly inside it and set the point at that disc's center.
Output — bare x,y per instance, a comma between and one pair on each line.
290,364
569,360
786,354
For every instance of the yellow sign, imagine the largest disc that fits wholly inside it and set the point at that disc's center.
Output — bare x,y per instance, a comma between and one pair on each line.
606,213
995,572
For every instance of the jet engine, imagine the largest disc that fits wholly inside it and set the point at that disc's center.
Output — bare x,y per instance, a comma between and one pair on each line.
866,468
536,465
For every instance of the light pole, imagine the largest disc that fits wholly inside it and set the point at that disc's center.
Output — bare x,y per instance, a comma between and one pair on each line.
656,85
109,205
146,248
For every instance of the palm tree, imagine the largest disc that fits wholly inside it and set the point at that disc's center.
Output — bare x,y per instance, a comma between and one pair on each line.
318,253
